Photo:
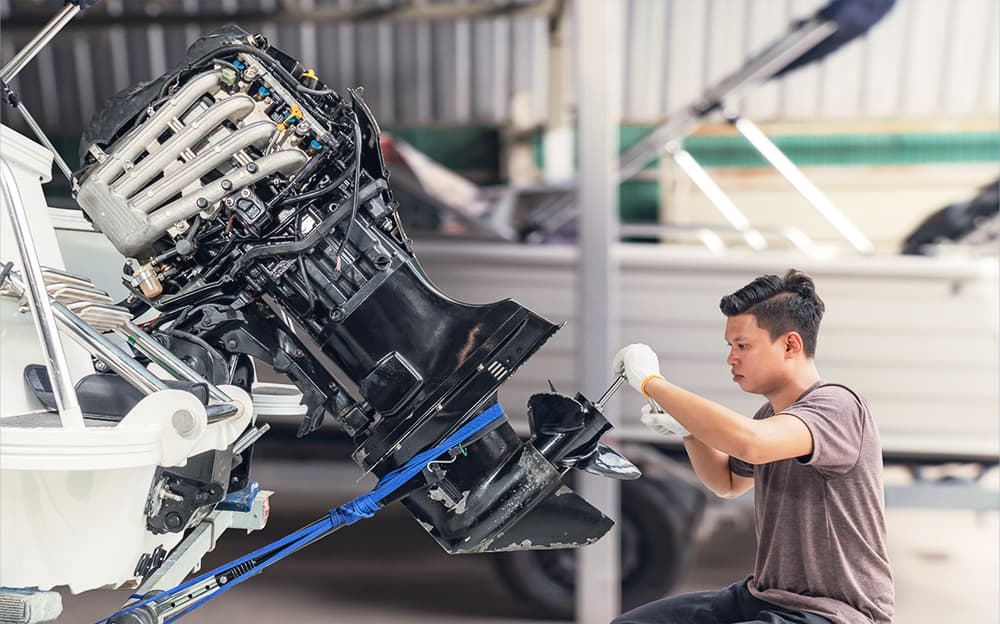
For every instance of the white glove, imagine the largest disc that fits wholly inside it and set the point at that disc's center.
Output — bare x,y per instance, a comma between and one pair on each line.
638,363
661,422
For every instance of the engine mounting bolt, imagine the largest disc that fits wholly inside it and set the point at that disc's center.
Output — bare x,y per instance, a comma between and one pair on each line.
202,203
252,167
231,344
227,185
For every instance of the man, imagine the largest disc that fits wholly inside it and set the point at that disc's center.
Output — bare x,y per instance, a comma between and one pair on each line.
811,453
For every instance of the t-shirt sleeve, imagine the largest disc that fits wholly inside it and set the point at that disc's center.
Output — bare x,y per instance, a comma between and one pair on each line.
835,418
740,467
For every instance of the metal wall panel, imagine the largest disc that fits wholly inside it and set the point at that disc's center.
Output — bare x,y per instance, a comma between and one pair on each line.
989,80
900,332
926,59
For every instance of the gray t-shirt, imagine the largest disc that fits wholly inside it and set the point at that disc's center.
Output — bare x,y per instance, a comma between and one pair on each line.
820,519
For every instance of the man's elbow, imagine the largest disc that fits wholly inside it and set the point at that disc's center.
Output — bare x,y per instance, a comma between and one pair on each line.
724,490
729,494
719,491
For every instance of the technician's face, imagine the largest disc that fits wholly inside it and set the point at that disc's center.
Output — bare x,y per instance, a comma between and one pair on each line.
756,361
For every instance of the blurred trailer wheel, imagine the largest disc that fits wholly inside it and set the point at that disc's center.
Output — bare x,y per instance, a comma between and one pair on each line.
657,522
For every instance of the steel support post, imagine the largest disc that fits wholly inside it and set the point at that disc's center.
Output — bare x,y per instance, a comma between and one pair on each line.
38,301
557,141
597,41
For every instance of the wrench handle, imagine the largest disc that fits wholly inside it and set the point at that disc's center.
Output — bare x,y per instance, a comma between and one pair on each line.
610,392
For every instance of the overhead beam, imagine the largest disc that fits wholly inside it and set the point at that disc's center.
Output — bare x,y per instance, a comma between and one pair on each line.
405,10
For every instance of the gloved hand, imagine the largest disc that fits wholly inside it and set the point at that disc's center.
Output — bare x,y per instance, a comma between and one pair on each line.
661,422
639,364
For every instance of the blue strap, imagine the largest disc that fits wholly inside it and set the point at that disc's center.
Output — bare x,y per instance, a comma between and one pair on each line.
361,507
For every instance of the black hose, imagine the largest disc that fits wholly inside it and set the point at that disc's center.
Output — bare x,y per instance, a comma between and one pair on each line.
310,293
320,92
357,181
195,225
323,190
217,262
303,173
317,232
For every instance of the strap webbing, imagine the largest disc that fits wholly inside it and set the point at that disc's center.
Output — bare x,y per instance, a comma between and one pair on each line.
361,507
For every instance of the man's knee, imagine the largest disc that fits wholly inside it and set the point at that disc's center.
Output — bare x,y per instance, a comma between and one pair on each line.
685,608
663,611
628,618
646,614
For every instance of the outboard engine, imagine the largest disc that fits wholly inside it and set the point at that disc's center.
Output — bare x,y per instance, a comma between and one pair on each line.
253,205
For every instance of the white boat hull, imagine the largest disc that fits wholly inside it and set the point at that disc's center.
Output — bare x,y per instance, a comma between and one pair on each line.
73,501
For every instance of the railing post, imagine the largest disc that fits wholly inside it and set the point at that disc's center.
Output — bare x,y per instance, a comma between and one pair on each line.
38,301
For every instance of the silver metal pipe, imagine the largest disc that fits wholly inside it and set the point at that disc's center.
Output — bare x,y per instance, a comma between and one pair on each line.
28,52
139,140
124,364
152,197
610,392
232,108
710,240
718,198
162,356
38,299
21,59
249,437
217,412
802,184
284,161
40,134
108,352
772,60
801,241
757,71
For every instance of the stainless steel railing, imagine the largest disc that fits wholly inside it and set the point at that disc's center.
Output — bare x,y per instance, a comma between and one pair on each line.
49,313
38,300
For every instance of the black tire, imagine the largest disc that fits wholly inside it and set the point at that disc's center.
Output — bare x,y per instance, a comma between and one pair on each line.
655,542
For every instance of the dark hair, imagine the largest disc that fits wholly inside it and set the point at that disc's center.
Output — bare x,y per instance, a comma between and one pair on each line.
780,305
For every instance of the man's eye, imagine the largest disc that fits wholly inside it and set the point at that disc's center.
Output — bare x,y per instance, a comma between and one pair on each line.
743,347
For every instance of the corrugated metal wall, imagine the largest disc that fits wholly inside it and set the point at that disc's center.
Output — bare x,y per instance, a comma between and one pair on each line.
927,58
906,334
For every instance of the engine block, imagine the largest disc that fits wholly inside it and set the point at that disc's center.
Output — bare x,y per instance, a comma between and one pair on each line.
253,205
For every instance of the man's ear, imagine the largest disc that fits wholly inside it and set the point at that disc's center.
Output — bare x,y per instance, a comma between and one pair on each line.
793,344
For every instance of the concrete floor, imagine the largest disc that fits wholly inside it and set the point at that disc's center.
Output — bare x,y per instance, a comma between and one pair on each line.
387,569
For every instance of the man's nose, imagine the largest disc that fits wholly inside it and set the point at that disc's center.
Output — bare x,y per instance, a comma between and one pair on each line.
731,359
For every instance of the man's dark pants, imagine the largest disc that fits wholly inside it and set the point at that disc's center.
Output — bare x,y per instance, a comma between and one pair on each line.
732,605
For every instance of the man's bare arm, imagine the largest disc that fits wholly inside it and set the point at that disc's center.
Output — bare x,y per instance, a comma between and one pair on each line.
755,441
712,467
